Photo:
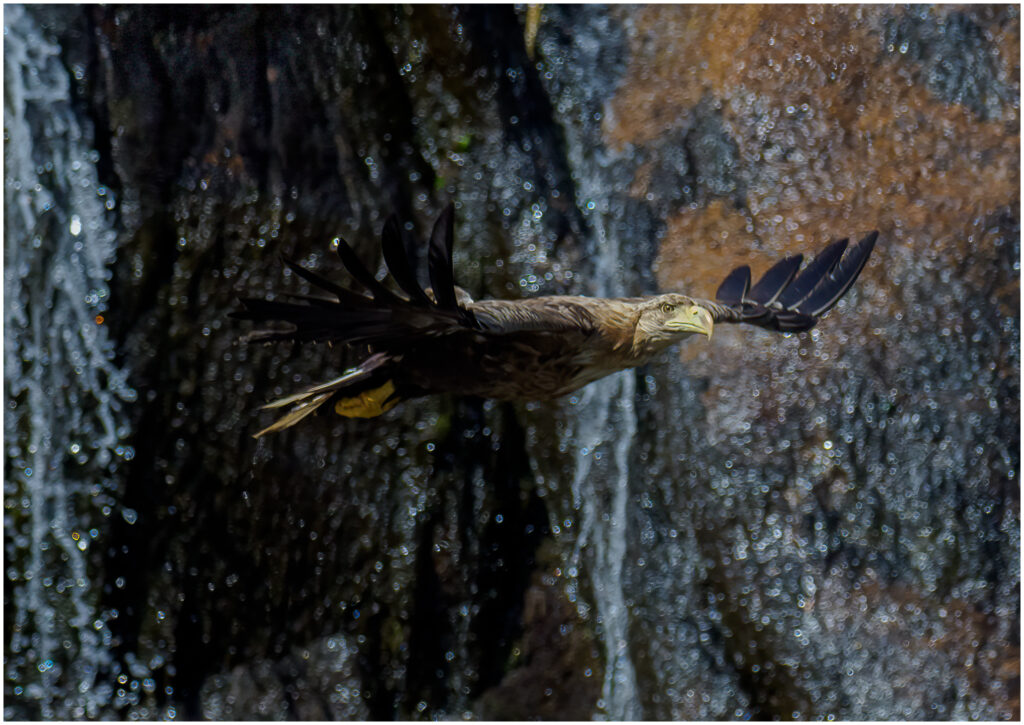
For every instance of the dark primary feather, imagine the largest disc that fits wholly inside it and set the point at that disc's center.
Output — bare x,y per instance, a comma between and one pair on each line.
790,302
396,257
734,287
797,291
441,269
362,275
344,295
774,281
383,319
842,276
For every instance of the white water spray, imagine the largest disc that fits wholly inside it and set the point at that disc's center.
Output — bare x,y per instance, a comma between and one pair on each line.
605,423
604,435
63,416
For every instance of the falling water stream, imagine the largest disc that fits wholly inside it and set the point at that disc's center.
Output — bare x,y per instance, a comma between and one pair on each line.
604,419
602,436
602,539
65,419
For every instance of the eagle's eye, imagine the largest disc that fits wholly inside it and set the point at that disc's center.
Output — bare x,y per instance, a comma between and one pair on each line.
667,307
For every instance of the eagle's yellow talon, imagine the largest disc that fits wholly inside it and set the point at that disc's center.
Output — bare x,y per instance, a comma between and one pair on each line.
532,25
369,403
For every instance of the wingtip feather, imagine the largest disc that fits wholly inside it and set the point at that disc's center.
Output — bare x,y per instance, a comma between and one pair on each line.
398,261
792,300
441,263
734,287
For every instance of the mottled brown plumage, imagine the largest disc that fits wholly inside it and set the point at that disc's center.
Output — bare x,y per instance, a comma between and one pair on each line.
438,340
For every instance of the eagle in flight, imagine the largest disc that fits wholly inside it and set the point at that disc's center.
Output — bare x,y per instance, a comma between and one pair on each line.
423,341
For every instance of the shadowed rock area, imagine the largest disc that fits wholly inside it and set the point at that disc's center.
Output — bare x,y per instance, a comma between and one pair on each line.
823,525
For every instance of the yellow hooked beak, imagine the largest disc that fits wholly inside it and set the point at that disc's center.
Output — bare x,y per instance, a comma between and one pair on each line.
692,319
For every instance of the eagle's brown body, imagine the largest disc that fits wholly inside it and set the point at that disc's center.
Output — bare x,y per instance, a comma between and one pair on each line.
438,340
542,361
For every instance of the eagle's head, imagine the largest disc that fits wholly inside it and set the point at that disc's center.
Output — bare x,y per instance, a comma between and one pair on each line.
667,319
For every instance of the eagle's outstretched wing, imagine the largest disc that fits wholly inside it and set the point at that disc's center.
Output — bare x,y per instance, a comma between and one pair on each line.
785,300
381,319
393,324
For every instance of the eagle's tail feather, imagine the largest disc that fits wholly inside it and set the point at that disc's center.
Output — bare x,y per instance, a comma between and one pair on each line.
363,392
293,416
790,302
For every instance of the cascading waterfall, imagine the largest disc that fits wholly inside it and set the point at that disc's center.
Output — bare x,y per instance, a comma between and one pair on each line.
604,435
64,416
604,407
605,426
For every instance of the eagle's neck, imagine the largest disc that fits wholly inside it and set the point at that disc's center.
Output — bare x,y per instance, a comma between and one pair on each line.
616,325
625,343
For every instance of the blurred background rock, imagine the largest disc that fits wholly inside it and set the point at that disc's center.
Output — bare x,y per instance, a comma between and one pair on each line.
818,526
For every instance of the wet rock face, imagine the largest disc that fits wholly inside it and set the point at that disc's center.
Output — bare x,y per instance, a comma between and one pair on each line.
804,124
760,526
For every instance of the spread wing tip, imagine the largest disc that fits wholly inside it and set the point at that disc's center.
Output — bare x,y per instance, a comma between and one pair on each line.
440,259
734,287
789,299
381,316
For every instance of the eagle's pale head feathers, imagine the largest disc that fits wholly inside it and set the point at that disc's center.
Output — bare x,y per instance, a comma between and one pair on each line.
667,319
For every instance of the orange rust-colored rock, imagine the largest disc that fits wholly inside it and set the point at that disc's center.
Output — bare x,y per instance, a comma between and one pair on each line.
834,135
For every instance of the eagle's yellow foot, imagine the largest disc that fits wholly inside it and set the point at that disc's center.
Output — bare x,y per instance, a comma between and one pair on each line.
532,25
369,403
